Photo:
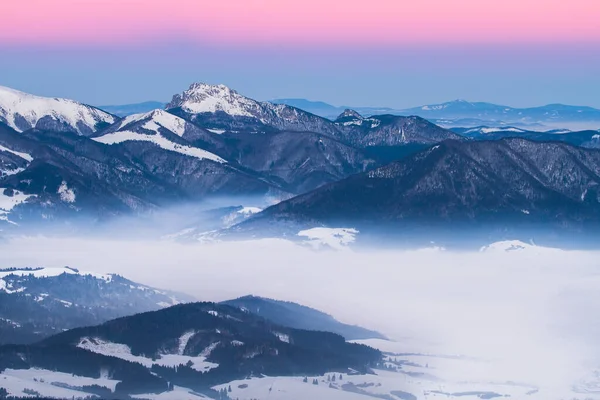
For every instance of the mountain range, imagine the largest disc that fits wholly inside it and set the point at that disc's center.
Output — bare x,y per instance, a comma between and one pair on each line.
451,114
462,113
589,138
455,189
211,141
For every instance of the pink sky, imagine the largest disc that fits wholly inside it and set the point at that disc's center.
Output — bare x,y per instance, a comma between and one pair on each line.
297,22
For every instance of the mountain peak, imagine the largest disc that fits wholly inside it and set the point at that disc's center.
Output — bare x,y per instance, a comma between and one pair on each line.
349,114
22,111
206,98
200,87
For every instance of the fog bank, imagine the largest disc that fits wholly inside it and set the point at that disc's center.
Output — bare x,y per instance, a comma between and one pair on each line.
531,315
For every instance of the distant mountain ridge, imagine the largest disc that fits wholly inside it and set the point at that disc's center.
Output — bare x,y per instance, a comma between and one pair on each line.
38,302
329,111
484,186
125,110
588,139
300,317
219,107
551,115
463,113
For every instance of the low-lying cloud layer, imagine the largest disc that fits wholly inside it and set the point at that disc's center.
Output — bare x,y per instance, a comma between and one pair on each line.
533,314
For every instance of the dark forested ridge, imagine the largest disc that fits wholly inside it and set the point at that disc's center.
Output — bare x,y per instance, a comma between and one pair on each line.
298,316
238,343
510,185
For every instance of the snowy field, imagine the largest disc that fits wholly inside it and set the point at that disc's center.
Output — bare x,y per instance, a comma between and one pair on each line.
36,382
511,320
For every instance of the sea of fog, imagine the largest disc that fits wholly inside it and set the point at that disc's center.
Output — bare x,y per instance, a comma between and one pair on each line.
532,316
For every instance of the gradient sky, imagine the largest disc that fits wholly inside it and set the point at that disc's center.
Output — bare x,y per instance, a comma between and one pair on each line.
377,52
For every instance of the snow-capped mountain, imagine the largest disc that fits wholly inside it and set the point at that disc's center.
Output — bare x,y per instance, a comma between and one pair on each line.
22,111
349,115
219,107
39,302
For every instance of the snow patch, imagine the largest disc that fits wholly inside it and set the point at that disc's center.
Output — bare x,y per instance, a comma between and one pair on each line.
50,383
282,337
24,156
249,210
183,341
486,130
206,352
335,238
123,352
160,141
178,393
7,203
66,194
509,246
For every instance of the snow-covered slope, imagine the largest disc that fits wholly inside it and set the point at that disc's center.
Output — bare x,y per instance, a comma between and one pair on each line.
152,121
160,141
22,111
25,156
52,272
9,199
158,127
123,351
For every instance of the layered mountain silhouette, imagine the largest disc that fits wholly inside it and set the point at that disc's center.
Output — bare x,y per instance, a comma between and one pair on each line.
75,161
190,348
210,141
506,184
